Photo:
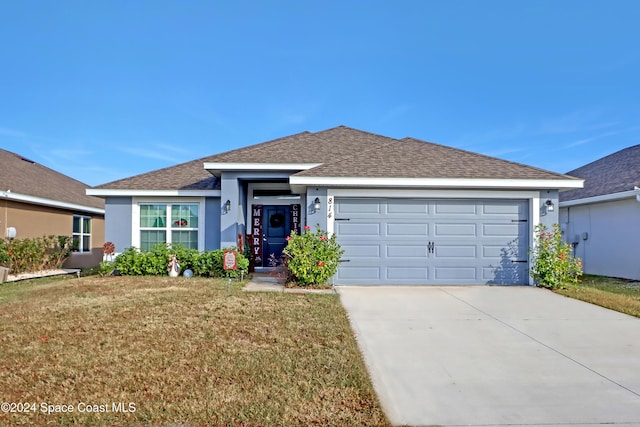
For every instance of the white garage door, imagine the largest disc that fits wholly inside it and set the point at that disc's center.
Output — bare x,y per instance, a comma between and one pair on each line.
425,241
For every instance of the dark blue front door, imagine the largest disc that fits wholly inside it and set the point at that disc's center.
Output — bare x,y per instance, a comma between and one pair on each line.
276,226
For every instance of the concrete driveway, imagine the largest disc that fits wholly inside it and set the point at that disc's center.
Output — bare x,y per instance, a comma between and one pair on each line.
496,356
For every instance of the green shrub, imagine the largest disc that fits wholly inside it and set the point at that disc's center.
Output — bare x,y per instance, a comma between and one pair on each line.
133,262
552,263
312,258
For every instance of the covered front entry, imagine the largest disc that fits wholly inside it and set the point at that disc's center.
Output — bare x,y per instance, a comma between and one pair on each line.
271,224
432,241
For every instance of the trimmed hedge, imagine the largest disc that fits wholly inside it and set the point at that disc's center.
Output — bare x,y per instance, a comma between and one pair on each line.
133,262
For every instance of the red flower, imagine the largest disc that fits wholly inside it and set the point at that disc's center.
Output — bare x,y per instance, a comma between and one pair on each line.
288,238
320,264
307,227
323,237
561,256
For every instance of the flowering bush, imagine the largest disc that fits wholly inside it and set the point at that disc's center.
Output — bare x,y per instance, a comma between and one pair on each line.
552,263
34,254
312,258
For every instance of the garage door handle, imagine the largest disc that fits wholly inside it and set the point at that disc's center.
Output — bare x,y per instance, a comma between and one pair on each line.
518,260
430,247
344,260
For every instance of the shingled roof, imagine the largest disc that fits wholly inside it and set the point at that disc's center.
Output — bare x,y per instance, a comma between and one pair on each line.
343,152
26,177
614,173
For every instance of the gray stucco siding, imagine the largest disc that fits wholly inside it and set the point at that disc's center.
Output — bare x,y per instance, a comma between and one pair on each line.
212,223
117,227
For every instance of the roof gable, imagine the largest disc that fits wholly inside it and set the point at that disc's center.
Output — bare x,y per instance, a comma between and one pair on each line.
340,152
611,174
26,177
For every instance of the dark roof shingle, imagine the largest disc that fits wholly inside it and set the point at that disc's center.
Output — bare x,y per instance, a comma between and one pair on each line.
614,173
24,176
342,152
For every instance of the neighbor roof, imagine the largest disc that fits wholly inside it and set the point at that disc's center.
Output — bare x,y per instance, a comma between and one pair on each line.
20,176
614,173
342,152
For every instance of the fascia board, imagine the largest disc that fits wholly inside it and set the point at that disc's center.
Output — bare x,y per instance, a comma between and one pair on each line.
49,202
603,198
438,182
152,193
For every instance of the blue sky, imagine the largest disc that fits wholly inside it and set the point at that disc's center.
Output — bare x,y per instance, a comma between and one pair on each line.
105,89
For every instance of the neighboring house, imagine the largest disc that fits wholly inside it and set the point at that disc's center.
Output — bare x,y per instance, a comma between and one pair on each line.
36,201
602,220
405,211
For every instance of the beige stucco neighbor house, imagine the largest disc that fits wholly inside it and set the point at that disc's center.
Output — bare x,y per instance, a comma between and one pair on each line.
36,201
602,220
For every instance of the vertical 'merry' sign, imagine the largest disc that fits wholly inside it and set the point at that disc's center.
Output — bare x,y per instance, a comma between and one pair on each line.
256,234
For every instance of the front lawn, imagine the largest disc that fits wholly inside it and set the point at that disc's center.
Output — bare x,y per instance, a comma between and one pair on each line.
162,351
617,294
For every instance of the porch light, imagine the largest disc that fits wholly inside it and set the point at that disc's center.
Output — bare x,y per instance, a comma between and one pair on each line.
550,206
316,205
227,206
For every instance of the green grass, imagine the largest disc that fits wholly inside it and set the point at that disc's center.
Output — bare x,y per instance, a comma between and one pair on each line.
182,351
617,294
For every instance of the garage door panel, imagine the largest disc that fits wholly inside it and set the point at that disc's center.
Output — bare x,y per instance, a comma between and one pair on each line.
449,230
363,206
363,251
455,207
504,208
504,275
508,230
411,230
408,273
358,229
406,250
412,208
468,274
363,274
455,251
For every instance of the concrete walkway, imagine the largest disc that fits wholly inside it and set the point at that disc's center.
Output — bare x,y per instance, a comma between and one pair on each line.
265,282
496,356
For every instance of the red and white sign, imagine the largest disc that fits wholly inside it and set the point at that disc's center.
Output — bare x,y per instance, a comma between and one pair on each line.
230,260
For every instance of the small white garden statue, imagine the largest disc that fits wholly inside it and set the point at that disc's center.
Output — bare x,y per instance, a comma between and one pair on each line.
173,267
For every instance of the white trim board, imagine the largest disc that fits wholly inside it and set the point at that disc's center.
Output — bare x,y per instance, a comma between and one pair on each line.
602,198
49,202
153,193
541,184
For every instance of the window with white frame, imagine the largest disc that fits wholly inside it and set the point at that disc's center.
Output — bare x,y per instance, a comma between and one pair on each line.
168,223
81,236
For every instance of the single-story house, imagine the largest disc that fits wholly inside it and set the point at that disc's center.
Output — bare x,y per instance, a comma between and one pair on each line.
405,211
36,201
602,220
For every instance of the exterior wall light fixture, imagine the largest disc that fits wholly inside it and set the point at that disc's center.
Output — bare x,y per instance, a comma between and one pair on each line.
316,205
550,206
227,206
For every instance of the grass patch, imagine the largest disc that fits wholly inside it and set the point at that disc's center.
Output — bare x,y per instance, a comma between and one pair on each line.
616,294
182,351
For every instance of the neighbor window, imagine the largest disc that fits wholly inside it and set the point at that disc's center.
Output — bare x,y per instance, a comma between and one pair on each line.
81,234
168,223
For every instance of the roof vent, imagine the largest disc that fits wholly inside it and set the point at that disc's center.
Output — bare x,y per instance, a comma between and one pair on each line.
27,160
